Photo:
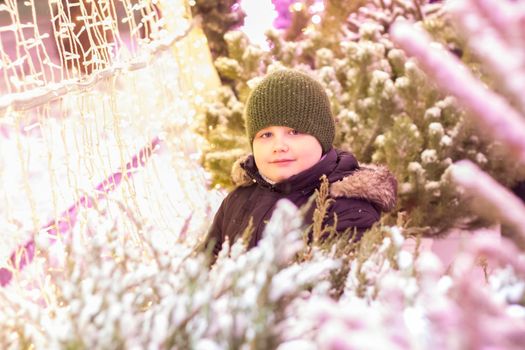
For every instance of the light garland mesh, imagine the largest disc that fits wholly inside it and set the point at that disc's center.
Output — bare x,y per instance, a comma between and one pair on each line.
97,99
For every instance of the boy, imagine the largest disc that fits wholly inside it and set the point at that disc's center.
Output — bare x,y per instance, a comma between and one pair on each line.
291,129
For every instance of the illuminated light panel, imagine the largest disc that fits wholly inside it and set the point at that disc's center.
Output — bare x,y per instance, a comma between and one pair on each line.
260,15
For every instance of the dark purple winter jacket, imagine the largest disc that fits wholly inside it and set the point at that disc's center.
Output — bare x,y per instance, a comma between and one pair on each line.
360,194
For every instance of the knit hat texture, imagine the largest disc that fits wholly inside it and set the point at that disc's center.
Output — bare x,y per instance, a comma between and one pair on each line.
293,99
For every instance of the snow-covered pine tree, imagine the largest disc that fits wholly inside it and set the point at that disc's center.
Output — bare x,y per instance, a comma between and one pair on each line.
216,18
387,110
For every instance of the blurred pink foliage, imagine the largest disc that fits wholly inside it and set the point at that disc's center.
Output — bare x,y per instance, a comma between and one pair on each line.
454,309
496,33
495,114
442,310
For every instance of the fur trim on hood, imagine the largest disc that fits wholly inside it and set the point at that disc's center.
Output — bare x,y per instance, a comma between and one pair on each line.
371,182
239,176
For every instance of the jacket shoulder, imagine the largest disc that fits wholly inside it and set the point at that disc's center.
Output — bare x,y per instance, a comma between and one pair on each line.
374,183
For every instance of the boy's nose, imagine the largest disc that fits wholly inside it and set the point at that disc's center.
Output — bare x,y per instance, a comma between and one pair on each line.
280,145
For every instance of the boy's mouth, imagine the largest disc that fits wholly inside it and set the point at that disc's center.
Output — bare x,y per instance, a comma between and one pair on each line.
281,161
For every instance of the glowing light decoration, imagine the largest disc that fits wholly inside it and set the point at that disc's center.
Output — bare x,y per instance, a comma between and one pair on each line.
317,9
97,107
260,15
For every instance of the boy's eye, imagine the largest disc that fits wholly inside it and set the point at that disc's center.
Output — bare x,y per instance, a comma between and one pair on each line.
265,134
294,132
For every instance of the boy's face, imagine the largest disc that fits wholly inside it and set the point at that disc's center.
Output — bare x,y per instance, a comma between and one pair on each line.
281,152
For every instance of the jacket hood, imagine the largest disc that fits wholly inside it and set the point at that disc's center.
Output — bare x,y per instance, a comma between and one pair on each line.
347,179
374,183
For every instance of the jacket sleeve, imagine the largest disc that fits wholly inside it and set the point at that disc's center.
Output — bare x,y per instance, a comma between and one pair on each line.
215,235
353,213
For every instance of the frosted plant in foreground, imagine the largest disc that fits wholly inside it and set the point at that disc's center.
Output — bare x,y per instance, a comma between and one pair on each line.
410,302
263,279
113,291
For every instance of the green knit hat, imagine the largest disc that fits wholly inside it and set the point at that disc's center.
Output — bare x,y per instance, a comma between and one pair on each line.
293,99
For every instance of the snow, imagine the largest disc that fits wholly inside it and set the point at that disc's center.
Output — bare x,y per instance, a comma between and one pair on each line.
429,156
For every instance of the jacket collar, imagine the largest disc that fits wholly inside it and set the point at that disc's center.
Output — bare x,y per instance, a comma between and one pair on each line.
370,182
246,170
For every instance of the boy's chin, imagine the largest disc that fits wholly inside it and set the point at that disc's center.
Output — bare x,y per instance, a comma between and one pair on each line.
279,178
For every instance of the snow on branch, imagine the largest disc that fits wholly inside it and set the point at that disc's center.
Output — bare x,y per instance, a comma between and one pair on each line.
493,113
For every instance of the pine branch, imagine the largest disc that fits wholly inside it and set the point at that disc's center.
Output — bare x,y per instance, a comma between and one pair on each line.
492,113
248,233
322,203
